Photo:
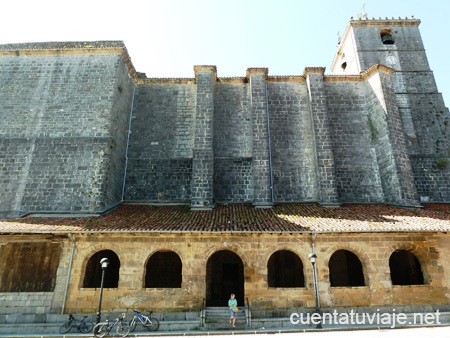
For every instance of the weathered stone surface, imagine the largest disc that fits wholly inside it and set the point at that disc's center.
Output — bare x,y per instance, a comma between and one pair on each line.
76,116
194,250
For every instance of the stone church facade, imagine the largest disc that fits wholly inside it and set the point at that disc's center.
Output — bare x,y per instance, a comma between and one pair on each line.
196,188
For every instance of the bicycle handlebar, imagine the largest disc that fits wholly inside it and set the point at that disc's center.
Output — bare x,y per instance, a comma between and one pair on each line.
136,311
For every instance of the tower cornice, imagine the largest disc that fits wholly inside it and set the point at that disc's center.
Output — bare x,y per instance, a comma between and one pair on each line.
385,22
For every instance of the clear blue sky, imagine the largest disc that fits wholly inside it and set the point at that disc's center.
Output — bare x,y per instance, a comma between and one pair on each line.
167,38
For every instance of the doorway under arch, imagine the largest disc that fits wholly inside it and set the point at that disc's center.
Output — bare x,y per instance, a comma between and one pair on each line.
224,276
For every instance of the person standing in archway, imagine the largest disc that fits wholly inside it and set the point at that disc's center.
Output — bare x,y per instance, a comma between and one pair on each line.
232,304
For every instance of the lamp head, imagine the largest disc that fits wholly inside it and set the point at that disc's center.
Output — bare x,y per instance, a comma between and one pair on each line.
312,257
104,262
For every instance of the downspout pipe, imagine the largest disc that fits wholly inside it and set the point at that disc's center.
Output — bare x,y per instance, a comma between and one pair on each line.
272,193
128,142
69,273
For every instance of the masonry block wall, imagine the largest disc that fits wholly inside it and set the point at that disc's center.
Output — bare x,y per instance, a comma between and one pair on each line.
294,165
349,107
320,116
195,250
266,140
63,259
382,135
233,169
389,139
425,118
64,128
161,143
202,181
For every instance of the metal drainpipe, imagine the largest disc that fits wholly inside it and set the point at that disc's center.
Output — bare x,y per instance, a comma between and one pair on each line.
272,196
69,273
128,141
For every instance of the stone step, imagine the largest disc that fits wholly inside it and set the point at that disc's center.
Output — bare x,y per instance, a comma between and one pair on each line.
221,310
218,318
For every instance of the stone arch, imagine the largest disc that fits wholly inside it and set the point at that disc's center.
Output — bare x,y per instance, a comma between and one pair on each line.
408,246
417,251
386,37
164,249
227,247
345,269
270,249
163,269
405,268
366,261
92,249
93,270
224,275
285,269
302,249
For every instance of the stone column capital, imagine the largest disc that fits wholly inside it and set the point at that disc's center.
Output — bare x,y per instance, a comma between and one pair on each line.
251,71
314,70
205,69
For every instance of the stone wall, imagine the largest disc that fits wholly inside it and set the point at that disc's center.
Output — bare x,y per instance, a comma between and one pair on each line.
357,180
202,181
67,138
292,142
425,119
233,169
161,142
273,140
194,250
64,130
18,304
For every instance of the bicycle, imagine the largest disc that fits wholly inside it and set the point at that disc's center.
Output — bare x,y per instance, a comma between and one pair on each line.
82,325
151,324
104,328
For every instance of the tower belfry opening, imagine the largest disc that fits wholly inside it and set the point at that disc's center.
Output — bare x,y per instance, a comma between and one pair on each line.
386,37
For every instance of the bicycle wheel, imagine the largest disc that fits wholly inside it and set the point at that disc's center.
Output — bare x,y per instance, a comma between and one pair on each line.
86,327
101,330
65,327
152,324
132,324
123,329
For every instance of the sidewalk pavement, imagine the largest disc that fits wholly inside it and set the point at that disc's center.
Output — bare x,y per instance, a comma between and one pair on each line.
329,322
334,330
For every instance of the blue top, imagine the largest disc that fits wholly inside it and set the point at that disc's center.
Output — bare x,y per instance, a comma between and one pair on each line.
232,303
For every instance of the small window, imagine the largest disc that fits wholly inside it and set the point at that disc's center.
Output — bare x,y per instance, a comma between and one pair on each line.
386,37
164,270
344,65
405,268
345,269
285,270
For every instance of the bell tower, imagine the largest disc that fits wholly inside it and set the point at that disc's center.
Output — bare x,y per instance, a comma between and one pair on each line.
397,44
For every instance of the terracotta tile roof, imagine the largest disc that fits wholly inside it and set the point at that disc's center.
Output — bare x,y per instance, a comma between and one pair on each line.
290,218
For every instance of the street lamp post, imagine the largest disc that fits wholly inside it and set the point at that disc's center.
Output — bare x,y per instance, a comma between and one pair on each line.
312,258
104,262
